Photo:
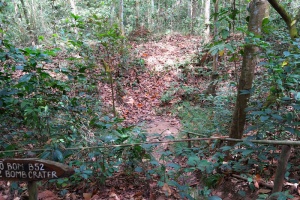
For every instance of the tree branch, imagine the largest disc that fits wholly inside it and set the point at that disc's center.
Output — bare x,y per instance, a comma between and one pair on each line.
282,12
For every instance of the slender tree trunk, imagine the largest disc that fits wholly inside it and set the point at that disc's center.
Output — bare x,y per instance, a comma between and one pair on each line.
281,169
54,27
137,17
121,17
112,13
73,7
233,20
152,15
214,76
192,16
25,14
74,11
33,23
207,21
257,13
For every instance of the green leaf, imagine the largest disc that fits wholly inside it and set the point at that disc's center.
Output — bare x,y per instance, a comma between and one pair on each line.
286,53
45,155
154,162
214,198
264,118
58,156
203,164
138,169
25,78
224,33
289,129
226,148
246,152
193,160
245,91
174,165
242,193
278,117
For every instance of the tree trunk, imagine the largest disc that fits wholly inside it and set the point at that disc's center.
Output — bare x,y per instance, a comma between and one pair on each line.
281,169
211,89
25,14
35,40
152,15
112,13
137,17
191,11
121,17
73,7
257,13
206,21
233,20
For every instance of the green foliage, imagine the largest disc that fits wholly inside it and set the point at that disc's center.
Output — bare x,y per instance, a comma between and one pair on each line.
213,116
58,108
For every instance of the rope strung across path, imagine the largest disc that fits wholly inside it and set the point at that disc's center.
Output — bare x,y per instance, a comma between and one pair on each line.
224,138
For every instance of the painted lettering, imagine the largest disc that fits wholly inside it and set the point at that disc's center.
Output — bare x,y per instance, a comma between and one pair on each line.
30,174
24,174
30,167
1,165
54,174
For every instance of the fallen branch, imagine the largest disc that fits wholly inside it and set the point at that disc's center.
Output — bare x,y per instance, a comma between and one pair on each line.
261,183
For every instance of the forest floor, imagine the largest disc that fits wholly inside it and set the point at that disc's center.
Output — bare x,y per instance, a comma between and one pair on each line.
142,105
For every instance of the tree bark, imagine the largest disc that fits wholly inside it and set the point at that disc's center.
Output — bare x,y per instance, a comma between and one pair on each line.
121,17
207,21
281,169
137,17
211,89
257,13
112,13
152,15
73,7
290,22
25,14
33,23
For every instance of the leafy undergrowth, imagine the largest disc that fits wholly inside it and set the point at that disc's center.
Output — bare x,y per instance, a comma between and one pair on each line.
161,93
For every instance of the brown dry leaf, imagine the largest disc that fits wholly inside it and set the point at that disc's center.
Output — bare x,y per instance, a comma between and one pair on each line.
257,177
144,55
113,196
264,191
167,190
256,184
161,198
140,105
87,196
152,196
73,196
49,141
95,197
47,195
138,195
